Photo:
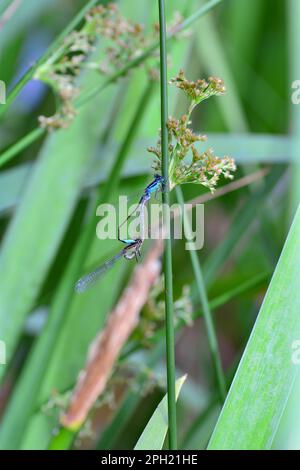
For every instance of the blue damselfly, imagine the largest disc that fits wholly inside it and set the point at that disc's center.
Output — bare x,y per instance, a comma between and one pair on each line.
130,251
156,185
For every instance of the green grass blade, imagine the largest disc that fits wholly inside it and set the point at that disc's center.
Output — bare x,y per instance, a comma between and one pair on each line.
21,19
5,5
210,328
21,145
288,434
128,405
63,440
29,74
197,436
89,94
243,219
247,148
47,198
252,149
23,398
92,91
261,387
168,274
214,60
215,303
155,432
30,241
293,10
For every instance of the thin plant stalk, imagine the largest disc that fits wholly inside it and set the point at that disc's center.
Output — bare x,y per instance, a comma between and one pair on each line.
29,74
215,303
32,136
211,333
293,9
15,421
170,335
21,145
62,440
89,94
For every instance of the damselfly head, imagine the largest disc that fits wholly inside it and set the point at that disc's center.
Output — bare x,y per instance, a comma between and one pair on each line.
158,177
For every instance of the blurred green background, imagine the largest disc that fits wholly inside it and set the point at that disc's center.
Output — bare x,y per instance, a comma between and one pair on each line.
47,192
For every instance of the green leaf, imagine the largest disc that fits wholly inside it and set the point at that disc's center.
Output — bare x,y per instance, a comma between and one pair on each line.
288,435
245,216
201,429
245,148
215,63
37,228
68,334
261,387
23,16
63,440
293,10
59,352
154,434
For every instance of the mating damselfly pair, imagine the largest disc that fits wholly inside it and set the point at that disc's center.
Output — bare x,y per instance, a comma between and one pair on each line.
133,247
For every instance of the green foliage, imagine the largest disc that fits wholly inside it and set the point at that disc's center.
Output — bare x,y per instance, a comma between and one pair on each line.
155,432
205,168
266,373
106,113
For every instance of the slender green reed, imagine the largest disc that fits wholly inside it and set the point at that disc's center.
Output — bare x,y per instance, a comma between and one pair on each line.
170,335
32,136
89,94
215,303
23,400
29,74
21,145
4,6
293,11
62,440
211,334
